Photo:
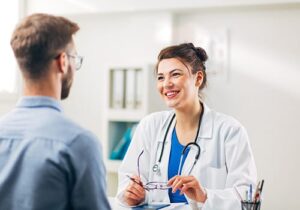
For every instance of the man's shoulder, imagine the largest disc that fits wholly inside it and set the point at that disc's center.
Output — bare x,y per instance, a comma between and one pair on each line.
43,124
67,130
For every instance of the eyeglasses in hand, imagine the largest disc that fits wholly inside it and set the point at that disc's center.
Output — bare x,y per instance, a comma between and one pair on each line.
149,185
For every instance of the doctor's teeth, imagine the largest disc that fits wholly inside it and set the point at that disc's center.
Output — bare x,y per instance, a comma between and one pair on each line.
171,93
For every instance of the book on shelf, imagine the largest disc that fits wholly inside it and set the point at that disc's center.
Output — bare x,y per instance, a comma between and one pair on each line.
121,147
138,88
130,89
118,88
126,88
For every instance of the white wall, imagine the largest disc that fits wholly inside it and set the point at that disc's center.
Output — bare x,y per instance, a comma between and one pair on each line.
108,6
263,88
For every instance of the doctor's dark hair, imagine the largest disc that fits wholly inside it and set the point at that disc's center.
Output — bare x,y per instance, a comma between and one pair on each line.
188,54
38,39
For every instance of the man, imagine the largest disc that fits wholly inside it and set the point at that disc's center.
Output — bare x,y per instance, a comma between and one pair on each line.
46,160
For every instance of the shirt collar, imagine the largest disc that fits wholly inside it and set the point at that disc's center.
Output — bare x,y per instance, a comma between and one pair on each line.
39,101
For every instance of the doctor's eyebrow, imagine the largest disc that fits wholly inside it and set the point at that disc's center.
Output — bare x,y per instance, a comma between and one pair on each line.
170,72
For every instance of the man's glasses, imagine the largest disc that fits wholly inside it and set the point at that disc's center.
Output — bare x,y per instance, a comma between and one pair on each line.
149,185
78,60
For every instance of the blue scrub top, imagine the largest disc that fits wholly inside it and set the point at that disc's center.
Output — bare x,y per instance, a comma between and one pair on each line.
174,160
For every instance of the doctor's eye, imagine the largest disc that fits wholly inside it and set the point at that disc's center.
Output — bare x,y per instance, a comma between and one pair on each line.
176,74
160,78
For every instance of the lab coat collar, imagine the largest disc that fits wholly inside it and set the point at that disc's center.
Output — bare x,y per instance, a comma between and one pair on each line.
206,128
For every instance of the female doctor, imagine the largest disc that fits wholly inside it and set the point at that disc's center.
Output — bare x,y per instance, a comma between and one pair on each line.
189,154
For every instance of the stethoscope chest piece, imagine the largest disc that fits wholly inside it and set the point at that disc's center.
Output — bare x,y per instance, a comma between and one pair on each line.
156,169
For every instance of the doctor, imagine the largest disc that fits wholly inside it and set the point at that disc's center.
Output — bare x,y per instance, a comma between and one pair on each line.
189,154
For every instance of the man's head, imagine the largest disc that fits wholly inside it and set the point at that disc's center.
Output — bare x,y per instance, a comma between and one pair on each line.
39,41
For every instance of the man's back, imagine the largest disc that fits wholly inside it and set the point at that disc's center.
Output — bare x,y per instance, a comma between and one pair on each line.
47,161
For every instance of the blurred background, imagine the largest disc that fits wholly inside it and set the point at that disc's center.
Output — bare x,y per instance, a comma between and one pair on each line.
253,71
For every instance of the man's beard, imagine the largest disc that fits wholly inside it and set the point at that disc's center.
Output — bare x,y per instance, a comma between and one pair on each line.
66,84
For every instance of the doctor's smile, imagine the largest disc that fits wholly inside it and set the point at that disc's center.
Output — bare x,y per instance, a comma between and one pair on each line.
171,94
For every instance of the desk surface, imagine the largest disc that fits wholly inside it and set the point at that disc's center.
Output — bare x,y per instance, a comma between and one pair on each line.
174,206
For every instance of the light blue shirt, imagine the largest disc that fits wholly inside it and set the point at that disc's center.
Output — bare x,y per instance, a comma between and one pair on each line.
47,162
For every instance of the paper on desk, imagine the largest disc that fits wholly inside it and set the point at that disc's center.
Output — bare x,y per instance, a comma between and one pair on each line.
176,206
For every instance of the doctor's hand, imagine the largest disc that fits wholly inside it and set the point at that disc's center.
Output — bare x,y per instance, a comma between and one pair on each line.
134,193
189,186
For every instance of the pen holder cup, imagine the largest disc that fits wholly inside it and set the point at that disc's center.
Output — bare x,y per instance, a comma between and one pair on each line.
247,205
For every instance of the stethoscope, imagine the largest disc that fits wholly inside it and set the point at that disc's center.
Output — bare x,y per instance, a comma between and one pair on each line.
156,166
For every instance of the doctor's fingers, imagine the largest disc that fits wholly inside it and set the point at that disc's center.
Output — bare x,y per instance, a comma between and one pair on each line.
172,180
134,195
132,201
135,188
177,184
176,178
190,183
180,181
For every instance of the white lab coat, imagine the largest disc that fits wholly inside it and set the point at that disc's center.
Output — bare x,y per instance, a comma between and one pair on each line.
226,159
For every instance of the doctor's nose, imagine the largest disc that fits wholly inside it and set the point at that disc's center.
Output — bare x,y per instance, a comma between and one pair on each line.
167,83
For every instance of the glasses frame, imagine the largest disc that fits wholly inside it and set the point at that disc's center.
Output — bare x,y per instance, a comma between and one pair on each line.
78,60
150,185
163,185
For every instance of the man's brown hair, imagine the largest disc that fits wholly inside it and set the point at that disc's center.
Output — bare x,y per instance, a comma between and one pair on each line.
38,39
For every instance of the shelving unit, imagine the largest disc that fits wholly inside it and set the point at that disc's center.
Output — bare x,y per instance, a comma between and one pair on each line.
118,119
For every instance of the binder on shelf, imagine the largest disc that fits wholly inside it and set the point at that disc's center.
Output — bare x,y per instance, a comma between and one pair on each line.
138,88
130,89
118,88
120,149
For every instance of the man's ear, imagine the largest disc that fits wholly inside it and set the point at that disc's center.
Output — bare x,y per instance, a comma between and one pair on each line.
62,62
199,78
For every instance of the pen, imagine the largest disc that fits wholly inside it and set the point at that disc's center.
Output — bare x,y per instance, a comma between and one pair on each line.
250,193
262,185
132,179
261,188
256,192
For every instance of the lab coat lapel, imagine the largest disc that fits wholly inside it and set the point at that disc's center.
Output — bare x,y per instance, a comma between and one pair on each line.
162,195
166,153
205,133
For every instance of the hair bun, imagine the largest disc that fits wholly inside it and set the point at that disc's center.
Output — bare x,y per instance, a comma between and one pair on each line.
201,54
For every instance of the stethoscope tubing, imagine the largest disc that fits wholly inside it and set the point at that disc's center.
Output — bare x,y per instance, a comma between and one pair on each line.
156,166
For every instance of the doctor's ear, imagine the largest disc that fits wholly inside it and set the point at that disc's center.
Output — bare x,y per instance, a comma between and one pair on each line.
199,78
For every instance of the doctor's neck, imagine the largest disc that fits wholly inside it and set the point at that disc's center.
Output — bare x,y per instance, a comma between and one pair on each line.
188,118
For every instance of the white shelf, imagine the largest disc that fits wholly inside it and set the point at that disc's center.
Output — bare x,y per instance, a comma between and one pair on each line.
113,165
119,119
126,115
